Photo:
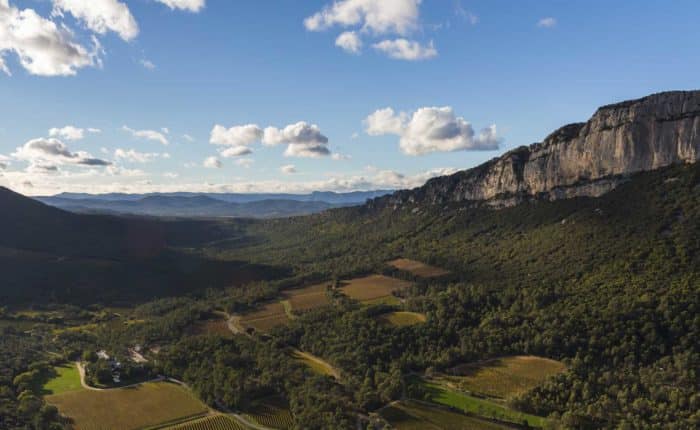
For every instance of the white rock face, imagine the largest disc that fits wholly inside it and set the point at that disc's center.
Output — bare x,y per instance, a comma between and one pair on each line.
585,159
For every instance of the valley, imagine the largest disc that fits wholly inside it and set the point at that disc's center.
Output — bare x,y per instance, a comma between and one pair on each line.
406,312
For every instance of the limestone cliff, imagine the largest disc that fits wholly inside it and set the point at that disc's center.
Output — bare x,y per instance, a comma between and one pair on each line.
583,159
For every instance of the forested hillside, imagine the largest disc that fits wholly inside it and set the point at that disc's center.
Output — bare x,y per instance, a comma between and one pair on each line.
611,285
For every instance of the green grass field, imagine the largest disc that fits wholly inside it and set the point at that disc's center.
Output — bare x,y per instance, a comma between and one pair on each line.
402,319
505,377
316,364
272,412
139,407
472,405
411,415
213,422
67,379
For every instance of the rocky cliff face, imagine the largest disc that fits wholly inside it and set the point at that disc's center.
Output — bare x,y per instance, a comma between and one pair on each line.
583,159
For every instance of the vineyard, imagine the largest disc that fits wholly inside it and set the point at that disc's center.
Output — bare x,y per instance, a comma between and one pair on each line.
214,422
272,412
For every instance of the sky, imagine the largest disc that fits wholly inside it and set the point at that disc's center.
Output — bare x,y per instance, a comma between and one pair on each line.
294,96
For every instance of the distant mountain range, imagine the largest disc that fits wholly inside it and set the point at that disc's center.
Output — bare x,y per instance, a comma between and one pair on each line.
209,204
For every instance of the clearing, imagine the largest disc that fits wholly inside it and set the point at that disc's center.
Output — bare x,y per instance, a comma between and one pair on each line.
308,298
371,288
268,317
272,412
316,364
505,377
412,415
217,325
146,405
402,319
417,268
443,395
212,422
67,379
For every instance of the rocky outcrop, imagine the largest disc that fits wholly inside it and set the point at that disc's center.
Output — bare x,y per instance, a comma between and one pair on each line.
583,159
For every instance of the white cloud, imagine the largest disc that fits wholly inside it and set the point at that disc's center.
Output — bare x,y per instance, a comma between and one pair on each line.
212,163
547,22
302,140
340,157
171,175
43,48
70,132
188,5
134,156
350,42
188,138
52,152
385,121
148,64
153,135
101,16
403,49
377,16
241,135
289,169
431,129
236,151
4,162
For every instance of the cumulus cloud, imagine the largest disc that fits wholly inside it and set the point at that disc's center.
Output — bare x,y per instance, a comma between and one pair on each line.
153,135
350,42
212,163
289,169
188,138
377,16
188,5
385,121
100,16
236,151
547,22
431,129
70,132
302,140
240,135
4,162
52,152
134,156
237,138
403,49
43,48
374,18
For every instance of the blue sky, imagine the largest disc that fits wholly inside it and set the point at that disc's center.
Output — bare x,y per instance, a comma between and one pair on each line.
447,69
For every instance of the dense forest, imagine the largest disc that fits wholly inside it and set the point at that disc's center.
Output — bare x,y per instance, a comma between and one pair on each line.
610,286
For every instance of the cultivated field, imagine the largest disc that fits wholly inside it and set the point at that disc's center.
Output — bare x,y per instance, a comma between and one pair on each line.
417,268
372,288
146,405
316,364
213,422
272,412
410,415
305,299
504,377
67,379
401,319
443,395
270,316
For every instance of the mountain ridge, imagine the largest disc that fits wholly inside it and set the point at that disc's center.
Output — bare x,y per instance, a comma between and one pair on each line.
579,159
